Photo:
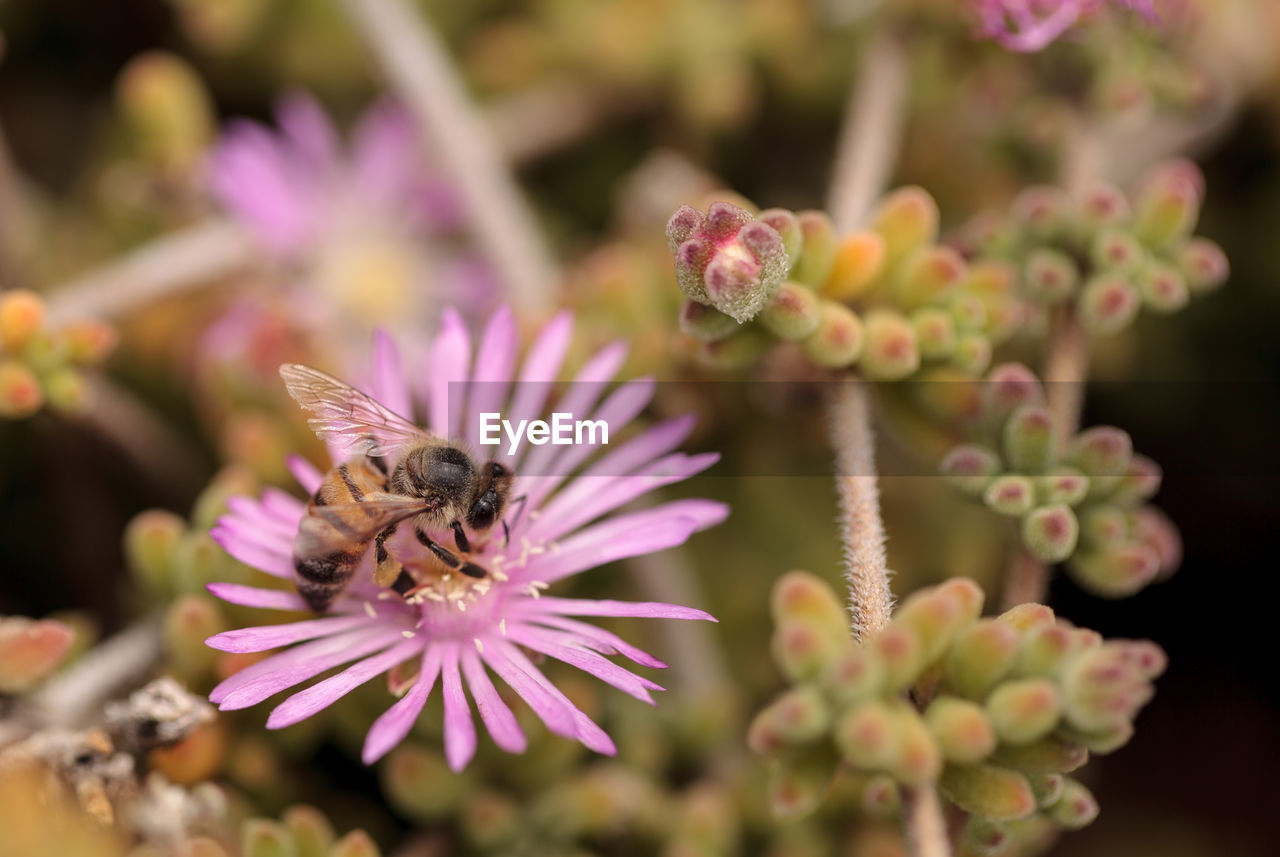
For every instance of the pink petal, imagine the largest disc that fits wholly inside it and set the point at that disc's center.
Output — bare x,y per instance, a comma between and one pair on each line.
549,643
541,367
459,728
604,642
293,666
495,714
495,360
271,561
592,607
586,731
305,703
308,132
264,637
305,472
394,724
389,386
446,376
251,596
385,158
557,717
252,525
283,508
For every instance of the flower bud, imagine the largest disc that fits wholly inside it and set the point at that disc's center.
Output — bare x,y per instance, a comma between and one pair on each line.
856,676
881,796
799,716
1024,710
802,651
420,785
1140,483
889,352
357,843
917,759
66,390
818,255
935,333
804,596
1043,211
1168,205
188,622
1104,688
1026,617
1029,439
792,313
1163,288
966,595
989,792
1108,304
1050,276
906,218
261,837
859,262
1044,650
1048,788
969,313
89,342
20,392
838,340
1010,495
787,225
1063,484
1117,571
962,729
1050,755
1204,264
981,656
1157,532
1103,526
970,468
986,838
30,651
491,820
797,787
903,657
1008,386
310,829
705,323
1050,532
1102,206
740,349
150,544
167,106
1104,454
930,277
21,315
1075,808
992,281
866,736
973,354
1118,252
726,258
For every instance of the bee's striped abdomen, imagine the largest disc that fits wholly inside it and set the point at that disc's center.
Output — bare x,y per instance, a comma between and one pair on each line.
324,557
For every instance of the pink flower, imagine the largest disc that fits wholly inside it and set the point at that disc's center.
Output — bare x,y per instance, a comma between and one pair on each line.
461,630
1031,25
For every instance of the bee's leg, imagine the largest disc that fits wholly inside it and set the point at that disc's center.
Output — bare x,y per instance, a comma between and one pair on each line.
460,538
388,568
520,501
448,557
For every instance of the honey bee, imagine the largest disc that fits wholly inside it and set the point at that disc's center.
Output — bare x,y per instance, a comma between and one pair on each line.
397,471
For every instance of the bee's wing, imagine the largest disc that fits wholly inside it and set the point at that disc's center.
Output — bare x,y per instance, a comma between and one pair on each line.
364,519
347,416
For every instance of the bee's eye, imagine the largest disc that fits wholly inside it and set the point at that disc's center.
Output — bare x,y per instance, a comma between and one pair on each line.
482,515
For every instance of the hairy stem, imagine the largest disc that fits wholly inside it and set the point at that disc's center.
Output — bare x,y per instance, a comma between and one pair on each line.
166,266
418,67
868,144
926,825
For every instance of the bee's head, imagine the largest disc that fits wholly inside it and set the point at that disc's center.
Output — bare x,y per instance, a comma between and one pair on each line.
492,500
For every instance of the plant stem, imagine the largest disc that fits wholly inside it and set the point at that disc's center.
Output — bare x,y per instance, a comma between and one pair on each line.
418,67
174,263
926,825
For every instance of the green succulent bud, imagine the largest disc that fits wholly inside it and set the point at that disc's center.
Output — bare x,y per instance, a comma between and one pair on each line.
1103,526
1026,617
1050,276
727,258
739,350
1075,808
797,787
705,323
30,651
419,784
261,837
1024,710
1160,535
981,655
930,276
1008,386
1163,288
1140,483
1108,304
805,596
787,225
1103,688
1104,454
150,545
867,736
1029,439
890,351
972,355
1117,571
989,792
838,339
881,796
819,248
1168,205
901,652
1044,212
1062,484
935,333
357,843
934,617
1050,532
962,729
793,313
970,468
907,219
1044,650
491,820
1102,206
799,716
188,622
1117,252
1204,264
917,759
1048,788
310,830
856,676
1010,495
986,838
1049,755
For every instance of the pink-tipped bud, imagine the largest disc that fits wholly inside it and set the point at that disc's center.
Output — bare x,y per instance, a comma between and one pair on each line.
740,349
970,468
188,622
1050,755
918,759
1076,807
1104,688
935,617
1024,710
705,323
973,354
727,258
1204,264
792,313
963,731
1029,439
1117,571
1108,304
1104,454
1118,252
1063,484
856,676
30,651
1044,651
804,596
838,339
802,651
1010,495
1043,211
799,716
20,391
89,342
1050,532
1102,206
356,843
980,656
796,787
1047,788
935,333
1160,535
21,315
867,736
818,253
1163,288
1026,617
881,796
930,277
150,547
859,262
901,653
1168,203
787,225
890,352
989,792
1139,484
907,219
984,838
969,313
1008,386
1050,276
310,829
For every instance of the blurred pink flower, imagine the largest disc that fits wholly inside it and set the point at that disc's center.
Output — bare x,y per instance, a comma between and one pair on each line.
1031,25
460,630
